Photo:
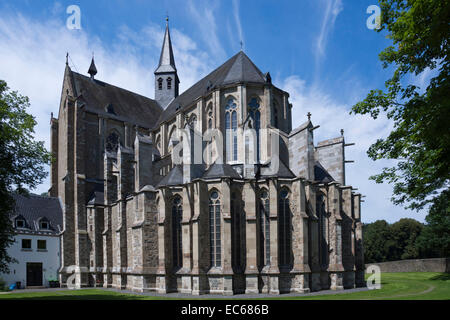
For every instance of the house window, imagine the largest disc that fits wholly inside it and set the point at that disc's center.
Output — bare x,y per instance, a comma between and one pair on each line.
20,223
323,221
26,243
284,228
214,229
43,225
231,130
169,83
42,244
160,81
177,215
264,227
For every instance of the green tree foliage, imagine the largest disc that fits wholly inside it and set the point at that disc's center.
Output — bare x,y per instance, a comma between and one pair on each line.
22,160
434,241
404,233
420,140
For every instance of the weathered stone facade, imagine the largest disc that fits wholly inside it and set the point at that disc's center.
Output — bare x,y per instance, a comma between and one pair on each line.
274,216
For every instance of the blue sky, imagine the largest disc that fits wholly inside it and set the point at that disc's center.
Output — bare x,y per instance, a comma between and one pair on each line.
320,51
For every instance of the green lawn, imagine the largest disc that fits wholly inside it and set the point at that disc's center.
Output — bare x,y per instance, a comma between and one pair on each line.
402,286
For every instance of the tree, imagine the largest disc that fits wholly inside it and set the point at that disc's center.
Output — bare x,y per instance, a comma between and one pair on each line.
420,140
404,234
378,243
22,160
434,241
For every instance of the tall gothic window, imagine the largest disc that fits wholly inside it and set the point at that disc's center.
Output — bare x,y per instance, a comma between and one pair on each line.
177,215
264,227
169,83
323,220
284,228
255,114
112,142
275,116
231,129
160,82
237,220
214,229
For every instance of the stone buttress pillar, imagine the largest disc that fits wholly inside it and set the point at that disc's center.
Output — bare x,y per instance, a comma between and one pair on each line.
335,267
301,270
251,266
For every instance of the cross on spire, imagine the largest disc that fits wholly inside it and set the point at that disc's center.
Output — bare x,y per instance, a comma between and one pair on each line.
309,115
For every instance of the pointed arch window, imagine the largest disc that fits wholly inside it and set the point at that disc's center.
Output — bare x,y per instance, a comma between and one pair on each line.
323,221
284,228
237,227
160,83
112,142
177,215
264,227
231,129
255,114
275,116
169,83
214,229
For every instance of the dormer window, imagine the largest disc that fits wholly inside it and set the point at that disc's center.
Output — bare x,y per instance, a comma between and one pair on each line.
20,223
160,81
44,225
169,83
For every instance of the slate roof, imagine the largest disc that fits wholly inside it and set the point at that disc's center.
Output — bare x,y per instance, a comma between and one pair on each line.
166,59
106,99
97,198
173,178
282,172
321,174
237,69
33,209
221,171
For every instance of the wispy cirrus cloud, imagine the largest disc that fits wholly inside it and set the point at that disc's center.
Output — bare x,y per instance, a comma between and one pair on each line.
204,16
331,10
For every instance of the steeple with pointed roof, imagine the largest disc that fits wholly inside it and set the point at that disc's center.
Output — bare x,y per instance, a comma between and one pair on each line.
166,76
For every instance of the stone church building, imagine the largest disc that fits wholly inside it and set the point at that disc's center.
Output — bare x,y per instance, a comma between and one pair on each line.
207,191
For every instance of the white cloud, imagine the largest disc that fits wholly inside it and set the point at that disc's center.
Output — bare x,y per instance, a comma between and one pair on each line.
333,116
33,60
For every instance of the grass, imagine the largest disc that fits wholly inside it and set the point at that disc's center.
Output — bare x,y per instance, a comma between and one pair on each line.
394,286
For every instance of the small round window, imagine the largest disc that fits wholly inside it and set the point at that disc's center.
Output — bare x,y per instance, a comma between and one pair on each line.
214,195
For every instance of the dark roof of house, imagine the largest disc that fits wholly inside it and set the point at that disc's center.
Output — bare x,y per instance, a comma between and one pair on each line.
237,69
221,171
103,98
321,174
33,208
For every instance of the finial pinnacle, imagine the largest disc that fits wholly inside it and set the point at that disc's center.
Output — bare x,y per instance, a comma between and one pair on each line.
342,132
309,115
242,44
67,58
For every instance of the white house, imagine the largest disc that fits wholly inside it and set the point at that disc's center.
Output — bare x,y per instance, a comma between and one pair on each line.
37,221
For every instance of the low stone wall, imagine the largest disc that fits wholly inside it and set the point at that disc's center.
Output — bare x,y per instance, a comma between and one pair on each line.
415,265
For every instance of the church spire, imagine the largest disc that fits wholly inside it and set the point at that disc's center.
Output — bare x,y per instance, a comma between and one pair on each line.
92,69
166,77
166,59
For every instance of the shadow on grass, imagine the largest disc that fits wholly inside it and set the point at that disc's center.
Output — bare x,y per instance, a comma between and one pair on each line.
442,277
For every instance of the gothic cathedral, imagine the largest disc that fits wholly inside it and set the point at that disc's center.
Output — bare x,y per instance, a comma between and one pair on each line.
207,191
